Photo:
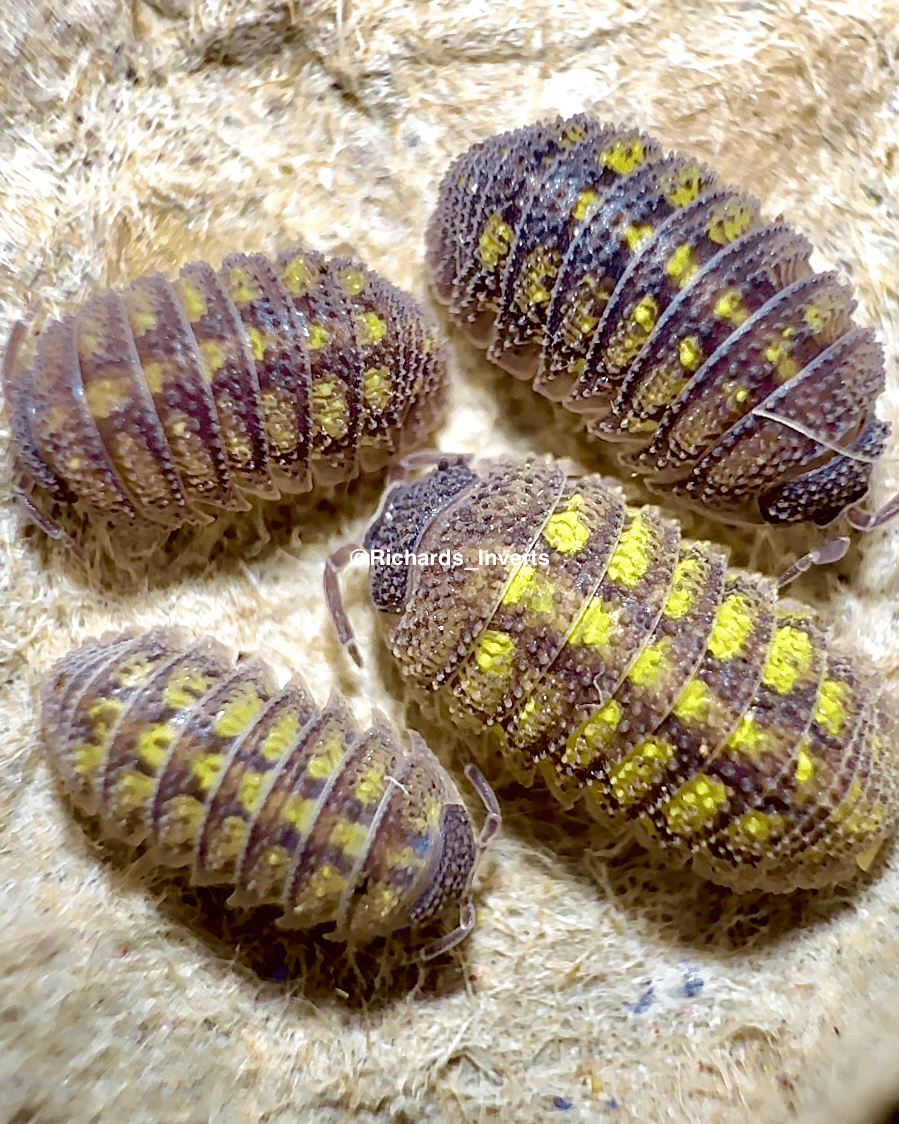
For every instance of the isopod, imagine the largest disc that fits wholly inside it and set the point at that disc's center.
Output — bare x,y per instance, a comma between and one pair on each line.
633,287
682,699
169,402
172,741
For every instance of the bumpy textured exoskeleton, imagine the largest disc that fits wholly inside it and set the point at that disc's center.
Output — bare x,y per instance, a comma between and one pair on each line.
169,402
680,698
171,741
632,286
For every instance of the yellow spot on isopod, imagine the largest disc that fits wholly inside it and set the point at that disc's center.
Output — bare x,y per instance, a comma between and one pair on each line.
192,299
250,791
280,737
651,666
318,336
689,353
566,531
213,356
635,233
805,767
632,555
683,589
105,396
326,881
257,343
747,738
728,222
830,709
370,785
297,275
814,318
377,388
87,759
349,837
681,266
729,306
183,689
584,204
238,714
758,826
645,313
241,286
695,804
132,790
207,768
687,184
329,408
594,626
732,625
153,743
692,705
637,772
623,155
353,281
495,240
493,651
529,586
299,813
789,658
327,759
371,328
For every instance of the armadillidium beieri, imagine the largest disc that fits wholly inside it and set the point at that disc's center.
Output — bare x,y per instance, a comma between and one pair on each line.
169,402
635,288
172,741
682,699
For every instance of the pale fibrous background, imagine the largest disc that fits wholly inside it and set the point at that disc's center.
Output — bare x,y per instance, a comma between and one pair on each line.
598,985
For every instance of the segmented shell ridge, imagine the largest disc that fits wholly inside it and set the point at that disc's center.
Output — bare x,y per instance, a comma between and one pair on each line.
170,401
633,287
256,787
680,698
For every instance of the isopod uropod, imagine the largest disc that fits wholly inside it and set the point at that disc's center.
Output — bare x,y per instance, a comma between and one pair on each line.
168,402
679,697
169,740
635,288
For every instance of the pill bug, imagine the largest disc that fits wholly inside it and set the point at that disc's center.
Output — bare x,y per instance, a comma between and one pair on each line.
635,288
681,698
172,741
169,402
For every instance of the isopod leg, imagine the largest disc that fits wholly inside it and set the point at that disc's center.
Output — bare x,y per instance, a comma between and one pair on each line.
872,520
494,819
467,918
334,599
831,551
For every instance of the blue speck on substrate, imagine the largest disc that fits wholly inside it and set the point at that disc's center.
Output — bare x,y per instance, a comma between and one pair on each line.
562,1104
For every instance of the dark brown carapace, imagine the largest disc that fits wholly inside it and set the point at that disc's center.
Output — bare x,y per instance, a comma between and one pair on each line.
171,741
170,401
639,291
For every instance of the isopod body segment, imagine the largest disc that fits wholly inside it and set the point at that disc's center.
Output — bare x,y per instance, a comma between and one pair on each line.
174,742
635,288
168,402
680,698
